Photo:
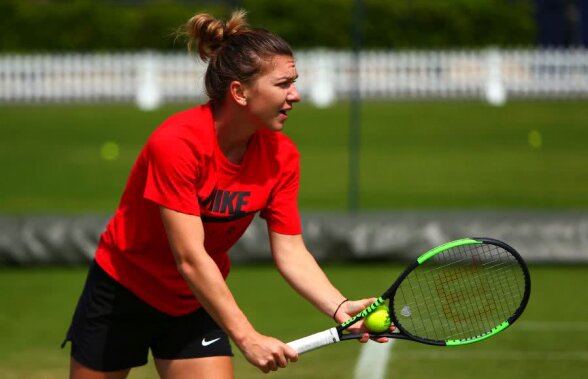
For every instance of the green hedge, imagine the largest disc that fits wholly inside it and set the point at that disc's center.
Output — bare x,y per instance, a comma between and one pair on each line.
423,24
84,25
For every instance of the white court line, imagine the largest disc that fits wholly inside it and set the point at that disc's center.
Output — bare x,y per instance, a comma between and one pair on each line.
373,360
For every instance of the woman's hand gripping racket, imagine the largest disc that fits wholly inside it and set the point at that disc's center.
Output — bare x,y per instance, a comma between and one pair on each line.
458,293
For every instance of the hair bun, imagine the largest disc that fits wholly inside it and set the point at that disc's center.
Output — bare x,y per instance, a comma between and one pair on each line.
237,23
209,33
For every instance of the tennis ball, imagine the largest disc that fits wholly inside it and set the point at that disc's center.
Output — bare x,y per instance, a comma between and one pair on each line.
379,320
535,139
109,151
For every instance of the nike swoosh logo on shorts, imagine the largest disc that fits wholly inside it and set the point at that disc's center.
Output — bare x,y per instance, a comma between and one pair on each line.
206,343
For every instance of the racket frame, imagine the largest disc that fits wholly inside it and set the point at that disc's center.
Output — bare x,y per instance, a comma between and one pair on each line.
389,294
335,334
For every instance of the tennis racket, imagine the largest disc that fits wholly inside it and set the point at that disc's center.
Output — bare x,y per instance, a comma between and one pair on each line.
458,293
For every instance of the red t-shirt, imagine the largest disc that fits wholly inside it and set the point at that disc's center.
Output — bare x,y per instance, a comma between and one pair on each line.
182,168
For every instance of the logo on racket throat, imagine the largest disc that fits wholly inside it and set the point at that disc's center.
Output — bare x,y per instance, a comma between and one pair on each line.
363,313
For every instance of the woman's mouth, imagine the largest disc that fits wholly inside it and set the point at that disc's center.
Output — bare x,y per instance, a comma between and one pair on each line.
284,114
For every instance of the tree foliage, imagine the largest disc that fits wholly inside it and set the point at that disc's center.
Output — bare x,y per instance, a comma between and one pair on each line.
85,25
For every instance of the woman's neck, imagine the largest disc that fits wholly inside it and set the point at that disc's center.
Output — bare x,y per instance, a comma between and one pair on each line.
233,132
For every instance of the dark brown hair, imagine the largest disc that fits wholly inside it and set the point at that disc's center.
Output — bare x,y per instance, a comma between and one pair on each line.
233,50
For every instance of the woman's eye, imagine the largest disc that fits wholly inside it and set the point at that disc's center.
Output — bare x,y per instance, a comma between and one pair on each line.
286,84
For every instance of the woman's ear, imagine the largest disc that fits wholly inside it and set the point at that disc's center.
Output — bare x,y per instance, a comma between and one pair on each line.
238,93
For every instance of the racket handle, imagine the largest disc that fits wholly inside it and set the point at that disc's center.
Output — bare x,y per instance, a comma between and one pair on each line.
315,341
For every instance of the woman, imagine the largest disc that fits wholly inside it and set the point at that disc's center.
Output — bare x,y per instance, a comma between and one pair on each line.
158,277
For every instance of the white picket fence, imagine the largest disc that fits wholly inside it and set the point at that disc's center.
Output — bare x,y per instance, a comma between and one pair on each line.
150,79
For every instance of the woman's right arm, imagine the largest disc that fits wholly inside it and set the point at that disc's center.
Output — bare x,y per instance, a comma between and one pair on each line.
186,237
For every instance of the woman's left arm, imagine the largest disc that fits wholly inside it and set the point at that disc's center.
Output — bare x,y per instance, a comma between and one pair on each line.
302,272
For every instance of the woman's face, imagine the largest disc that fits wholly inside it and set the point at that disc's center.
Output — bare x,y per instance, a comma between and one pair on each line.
271,96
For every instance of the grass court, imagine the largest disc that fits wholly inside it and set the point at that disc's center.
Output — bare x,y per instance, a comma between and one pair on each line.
428,155
526,155
548,341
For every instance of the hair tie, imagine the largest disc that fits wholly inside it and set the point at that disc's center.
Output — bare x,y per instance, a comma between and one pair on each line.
337,310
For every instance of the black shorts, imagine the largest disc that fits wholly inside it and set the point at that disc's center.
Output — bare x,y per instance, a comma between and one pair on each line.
112,329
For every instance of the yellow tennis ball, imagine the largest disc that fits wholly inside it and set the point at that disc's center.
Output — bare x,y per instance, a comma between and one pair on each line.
535,139
379,320
109,151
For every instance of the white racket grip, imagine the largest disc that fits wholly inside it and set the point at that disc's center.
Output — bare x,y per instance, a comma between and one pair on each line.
315,341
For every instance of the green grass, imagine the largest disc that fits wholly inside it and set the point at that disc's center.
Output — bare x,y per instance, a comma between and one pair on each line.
413,155
456,155
550,340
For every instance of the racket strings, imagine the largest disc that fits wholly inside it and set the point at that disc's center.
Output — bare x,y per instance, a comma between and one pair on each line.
461,293
487,308
484,312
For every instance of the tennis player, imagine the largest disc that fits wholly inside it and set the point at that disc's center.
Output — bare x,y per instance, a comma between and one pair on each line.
158,279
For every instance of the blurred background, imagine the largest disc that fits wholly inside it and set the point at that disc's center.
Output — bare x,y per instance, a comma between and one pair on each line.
421,122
